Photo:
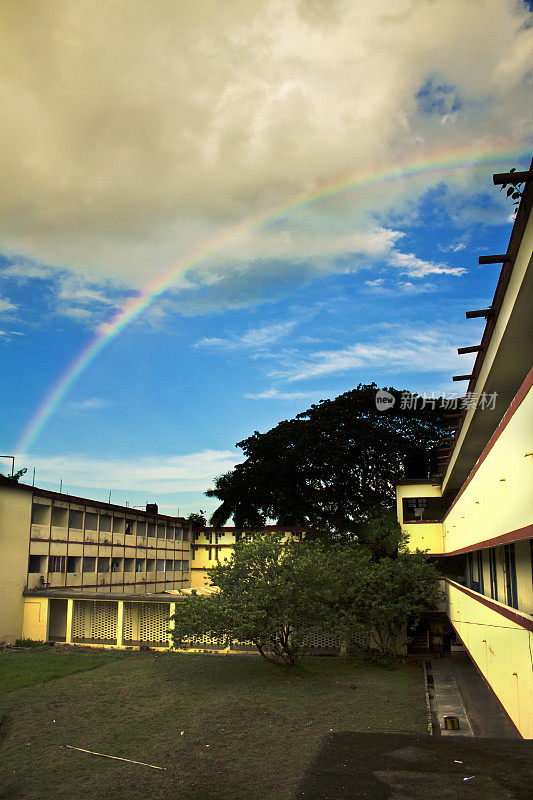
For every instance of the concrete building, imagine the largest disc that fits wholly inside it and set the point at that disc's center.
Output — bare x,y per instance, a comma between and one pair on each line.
210,545
66,547
476,518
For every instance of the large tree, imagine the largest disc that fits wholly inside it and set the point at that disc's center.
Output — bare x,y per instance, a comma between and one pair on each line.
328,468
276,594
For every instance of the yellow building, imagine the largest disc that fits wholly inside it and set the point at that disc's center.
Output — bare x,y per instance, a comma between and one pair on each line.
477,516
55,547
212,545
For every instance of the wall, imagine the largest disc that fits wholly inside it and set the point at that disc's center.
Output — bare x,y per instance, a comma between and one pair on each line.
501,649
498,498
15,514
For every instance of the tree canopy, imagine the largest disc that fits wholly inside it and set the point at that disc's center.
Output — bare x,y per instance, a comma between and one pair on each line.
276,594
327,468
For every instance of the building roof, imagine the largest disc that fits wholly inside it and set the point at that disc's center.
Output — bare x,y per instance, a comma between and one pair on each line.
70,498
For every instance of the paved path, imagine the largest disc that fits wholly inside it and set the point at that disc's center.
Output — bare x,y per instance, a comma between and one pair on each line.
447,699
393,766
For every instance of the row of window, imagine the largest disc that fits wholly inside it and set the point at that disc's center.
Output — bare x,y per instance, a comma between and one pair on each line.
508,593
105,523
77,564
212,552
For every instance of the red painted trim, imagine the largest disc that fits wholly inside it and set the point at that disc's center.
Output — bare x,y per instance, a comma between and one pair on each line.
513,536
515,403
504,611
487,684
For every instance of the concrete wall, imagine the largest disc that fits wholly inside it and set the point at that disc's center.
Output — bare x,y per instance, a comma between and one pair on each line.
15,516
501,649
499,498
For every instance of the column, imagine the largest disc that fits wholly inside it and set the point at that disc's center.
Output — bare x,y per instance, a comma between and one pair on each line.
171,611
70,613
120,624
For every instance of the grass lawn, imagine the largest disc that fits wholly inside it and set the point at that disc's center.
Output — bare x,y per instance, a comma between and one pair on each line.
41,665
249,728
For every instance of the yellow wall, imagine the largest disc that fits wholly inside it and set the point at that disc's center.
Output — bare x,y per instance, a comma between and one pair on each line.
499,498
424,536
15,514
502,651
35,622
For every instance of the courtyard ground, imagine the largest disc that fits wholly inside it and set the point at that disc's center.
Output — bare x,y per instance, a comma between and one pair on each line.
229,727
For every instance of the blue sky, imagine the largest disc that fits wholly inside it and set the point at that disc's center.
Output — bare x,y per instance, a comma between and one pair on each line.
139,132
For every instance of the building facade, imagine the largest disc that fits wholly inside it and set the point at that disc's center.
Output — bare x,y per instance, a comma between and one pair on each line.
212,545
52,542
476,518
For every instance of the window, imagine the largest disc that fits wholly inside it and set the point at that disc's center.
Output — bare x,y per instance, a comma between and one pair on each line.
151,529
89,564
103,564
185,566
59,517
40,514
75,519
510,576
150,564
34,564
56,564
493,574
170,532
73,564
139,565
129,527
160,531
178,533
105,523
91,521
177,566
118,524
185,536
210,553
169,565
160,565
115,564
129,564
475,571
141,528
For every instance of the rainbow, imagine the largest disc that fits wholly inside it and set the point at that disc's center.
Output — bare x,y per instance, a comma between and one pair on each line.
434,162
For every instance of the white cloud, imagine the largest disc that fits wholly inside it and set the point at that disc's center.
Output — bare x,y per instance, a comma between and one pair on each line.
6,305
151,474
24,271
276,394
89,404
416,267
160,125
402,348
253,338
452,248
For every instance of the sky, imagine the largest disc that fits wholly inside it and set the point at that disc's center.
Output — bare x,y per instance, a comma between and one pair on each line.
214,214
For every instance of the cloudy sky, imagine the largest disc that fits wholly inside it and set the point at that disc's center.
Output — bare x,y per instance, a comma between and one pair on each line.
235,209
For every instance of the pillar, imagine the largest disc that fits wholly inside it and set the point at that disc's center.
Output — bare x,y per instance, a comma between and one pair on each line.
120,624
70,613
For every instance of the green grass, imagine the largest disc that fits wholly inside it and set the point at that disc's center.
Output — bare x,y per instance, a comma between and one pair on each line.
249,729
40,666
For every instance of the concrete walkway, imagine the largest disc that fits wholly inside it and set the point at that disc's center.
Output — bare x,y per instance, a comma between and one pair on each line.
447,699
460,691
486,717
